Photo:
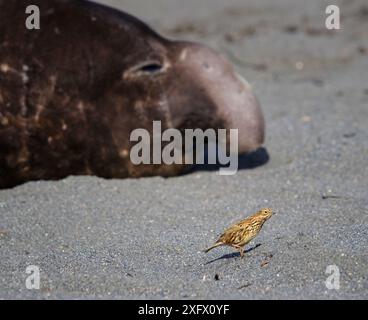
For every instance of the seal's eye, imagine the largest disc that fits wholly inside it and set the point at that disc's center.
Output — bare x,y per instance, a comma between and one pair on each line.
151,68
148,68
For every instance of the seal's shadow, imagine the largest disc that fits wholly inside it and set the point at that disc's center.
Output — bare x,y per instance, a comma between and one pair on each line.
245,161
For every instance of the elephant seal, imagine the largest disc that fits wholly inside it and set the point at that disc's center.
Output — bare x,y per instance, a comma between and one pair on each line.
72,92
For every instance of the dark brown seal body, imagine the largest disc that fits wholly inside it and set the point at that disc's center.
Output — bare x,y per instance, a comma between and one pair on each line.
72,92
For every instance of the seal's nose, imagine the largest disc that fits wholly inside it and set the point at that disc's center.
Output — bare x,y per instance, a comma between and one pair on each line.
245,113
232,96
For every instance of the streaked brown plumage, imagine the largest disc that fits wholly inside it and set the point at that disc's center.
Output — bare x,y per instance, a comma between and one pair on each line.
241,233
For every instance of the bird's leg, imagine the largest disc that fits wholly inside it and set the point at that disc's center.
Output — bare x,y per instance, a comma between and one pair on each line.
241,250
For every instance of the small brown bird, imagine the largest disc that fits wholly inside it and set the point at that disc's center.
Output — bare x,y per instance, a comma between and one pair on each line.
241,233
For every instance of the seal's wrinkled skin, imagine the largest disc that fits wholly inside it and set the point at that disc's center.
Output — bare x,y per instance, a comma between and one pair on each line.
72,92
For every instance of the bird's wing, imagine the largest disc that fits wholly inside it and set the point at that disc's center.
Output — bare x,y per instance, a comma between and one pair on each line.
232,235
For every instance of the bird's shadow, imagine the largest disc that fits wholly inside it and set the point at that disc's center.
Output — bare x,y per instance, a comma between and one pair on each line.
245,161
233,255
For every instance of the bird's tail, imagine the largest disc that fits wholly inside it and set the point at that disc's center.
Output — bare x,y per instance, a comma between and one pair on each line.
217,244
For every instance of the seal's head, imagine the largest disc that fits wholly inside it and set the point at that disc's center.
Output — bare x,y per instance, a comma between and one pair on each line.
196,87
